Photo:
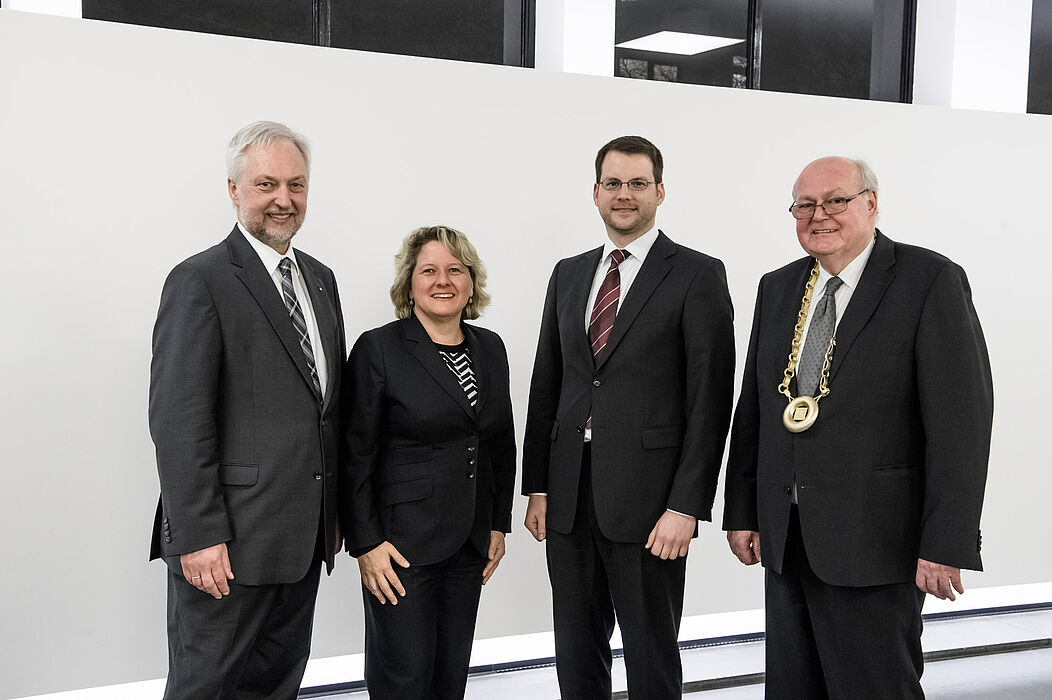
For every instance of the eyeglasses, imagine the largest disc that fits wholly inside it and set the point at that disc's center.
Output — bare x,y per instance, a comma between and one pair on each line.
612,184
833,205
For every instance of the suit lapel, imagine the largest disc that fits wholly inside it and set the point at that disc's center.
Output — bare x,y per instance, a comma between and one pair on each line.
876,278
483,380
786,312
426,353
655,268
325,315
577,294
254,276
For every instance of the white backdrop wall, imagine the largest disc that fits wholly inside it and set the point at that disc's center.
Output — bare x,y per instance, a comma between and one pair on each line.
111,171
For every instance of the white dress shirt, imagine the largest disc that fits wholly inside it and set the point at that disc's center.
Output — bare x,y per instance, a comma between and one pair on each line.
271,259
637,252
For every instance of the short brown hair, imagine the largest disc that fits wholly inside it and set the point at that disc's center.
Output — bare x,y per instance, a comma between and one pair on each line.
459,247
631,145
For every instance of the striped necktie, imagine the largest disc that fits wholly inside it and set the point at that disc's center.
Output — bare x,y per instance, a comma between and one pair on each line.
604,311
298,323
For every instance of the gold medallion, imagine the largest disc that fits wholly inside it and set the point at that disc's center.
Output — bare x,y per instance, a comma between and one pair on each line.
800,414
802,411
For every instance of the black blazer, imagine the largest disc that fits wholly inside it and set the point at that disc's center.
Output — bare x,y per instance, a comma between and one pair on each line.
895,466
422,468
659,398
246,453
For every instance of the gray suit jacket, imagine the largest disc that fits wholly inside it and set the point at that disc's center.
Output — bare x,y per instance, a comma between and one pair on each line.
246,453
895,466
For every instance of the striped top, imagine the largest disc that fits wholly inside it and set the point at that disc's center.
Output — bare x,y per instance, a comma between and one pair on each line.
458,359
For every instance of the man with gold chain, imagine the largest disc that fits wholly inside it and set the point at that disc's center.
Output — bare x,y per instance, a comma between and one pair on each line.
859,447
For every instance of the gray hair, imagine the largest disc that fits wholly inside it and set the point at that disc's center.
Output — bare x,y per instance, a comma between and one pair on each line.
262,134
866,176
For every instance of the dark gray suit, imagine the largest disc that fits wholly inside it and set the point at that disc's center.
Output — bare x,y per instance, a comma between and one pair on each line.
659,399
893,469
246,452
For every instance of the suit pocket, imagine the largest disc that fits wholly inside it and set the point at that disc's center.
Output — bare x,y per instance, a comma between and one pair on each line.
892,467
238,474
555,430
410,454
409,490
664,436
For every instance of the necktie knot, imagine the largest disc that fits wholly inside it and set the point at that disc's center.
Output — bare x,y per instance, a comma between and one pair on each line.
617,256
832,286
286,267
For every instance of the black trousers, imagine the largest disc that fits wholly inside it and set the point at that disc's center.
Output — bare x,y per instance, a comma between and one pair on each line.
595,579
839,642
421,648
253,643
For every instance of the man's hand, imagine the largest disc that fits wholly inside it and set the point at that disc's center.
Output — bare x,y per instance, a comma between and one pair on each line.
379,576
938,579
208,570
746,546
496,553
536,512
670,538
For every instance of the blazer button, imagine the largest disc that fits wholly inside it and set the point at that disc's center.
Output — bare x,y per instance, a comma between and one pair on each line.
471,448
168,539
580,428
471,461
789,489
317,476
471,475
596,382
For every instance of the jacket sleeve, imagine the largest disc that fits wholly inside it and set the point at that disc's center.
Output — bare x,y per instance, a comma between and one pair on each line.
361,449
955,389
184,387
708,338
545,386
740,507
503,453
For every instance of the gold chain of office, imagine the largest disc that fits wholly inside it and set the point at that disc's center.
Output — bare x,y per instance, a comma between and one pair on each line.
802,412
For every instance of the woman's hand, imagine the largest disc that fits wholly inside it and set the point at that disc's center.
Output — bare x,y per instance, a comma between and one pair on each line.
496,553
379,576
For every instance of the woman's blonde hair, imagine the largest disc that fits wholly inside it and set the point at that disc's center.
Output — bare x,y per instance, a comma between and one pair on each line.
459,247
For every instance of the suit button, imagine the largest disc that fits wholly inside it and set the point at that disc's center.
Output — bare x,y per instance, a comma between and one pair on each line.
789,489
168,539
580,428
317,476
324,423
471,448
596,382
471,461
471,475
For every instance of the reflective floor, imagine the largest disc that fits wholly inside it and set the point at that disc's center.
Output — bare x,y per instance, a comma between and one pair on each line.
1019,675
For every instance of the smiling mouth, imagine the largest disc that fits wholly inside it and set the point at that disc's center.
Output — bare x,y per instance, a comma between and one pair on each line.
824,230
442,296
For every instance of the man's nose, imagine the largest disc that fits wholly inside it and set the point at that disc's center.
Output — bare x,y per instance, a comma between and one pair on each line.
282,196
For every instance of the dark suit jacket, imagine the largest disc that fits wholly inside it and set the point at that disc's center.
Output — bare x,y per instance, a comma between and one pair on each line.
422,468
895,466
659,397
246,453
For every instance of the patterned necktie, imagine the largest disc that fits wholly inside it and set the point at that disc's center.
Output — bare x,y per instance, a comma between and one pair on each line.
823,323
298,324
601,322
